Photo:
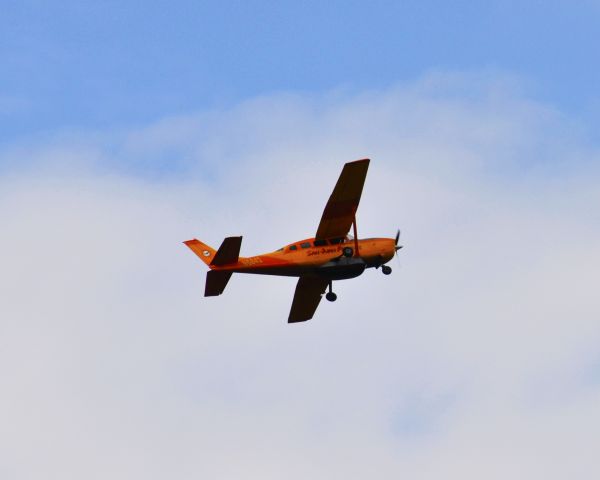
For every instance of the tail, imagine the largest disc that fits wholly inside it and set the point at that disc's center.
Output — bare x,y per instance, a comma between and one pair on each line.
202,250
216,281
229,252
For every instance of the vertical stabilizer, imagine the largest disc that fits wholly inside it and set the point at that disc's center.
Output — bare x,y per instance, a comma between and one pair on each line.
202,250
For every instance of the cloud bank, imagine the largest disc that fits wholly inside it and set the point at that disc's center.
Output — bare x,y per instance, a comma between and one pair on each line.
477,357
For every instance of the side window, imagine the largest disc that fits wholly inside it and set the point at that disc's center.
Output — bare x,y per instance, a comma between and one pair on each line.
305,245
293,247
320,243
336,241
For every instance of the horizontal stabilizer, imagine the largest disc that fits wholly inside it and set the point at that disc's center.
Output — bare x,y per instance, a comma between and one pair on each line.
216,281
229,251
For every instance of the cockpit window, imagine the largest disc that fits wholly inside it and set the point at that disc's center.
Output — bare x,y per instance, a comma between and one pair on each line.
335,241
305,245
293,247
320,243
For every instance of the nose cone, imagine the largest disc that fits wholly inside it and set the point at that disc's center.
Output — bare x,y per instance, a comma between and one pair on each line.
390,249
398,247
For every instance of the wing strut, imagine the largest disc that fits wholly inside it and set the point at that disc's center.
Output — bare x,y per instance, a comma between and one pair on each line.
355,235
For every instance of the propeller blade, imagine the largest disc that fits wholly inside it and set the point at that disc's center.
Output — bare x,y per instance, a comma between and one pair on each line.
397,237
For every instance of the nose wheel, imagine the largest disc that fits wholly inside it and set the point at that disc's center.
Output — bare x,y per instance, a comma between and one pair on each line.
332,297
386,270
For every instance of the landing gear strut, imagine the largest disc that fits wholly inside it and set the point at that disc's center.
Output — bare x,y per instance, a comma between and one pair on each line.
332,297
386,270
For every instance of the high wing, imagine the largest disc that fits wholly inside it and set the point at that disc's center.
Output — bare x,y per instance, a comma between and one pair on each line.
342,205
307,297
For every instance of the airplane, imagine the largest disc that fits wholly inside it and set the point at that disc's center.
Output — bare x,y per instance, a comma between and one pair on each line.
332,254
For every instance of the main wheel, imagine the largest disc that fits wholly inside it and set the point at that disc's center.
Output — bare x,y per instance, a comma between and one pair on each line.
332,297
347,251
386,270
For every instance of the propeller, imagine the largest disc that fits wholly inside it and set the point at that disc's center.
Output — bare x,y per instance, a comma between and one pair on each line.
398,247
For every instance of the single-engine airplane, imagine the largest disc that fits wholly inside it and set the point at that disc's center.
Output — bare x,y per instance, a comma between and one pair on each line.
331,255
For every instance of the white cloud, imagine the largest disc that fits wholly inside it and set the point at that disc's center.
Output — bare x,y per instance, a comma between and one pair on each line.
471,360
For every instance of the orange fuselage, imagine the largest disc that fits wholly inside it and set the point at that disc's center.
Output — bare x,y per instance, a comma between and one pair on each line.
325,258
332,254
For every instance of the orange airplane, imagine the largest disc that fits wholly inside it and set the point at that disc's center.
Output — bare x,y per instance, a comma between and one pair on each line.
331,255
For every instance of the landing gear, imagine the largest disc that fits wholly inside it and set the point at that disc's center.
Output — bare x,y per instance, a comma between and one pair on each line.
347,252
386,270
332,297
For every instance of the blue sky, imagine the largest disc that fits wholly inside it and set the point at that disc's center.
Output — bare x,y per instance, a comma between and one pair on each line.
75,64
129,127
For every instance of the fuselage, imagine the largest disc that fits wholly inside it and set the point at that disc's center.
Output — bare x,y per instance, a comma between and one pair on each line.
332,254
319,257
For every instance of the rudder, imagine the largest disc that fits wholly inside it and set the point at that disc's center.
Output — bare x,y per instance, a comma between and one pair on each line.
202,250
228,254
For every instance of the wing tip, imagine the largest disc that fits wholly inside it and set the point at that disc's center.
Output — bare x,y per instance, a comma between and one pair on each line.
297,320
361,160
